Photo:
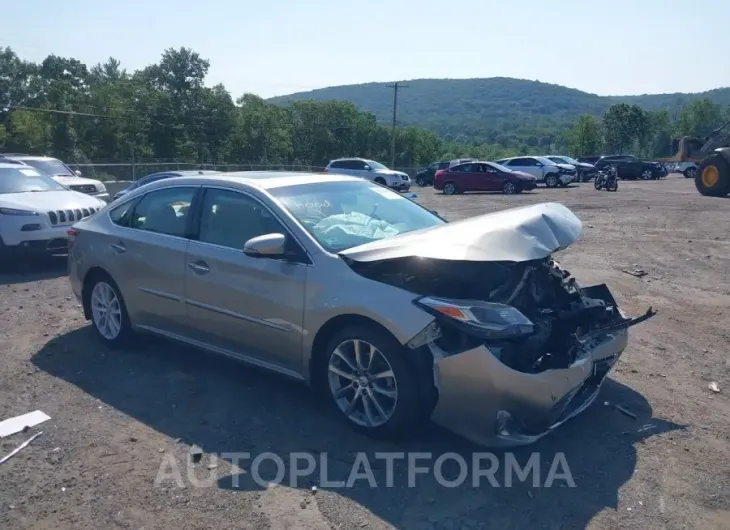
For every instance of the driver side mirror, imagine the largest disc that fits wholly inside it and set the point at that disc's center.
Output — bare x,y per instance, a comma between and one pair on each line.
266,246
78,172
539,164
368,168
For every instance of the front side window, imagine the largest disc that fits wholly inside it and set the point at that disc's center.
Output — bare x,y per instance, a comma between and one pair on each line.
375,165
23,179
341,215
229,219
164,211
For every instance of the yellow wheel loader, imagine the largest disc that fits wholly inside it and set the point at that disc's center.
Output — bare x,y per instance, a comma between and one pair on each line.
713,157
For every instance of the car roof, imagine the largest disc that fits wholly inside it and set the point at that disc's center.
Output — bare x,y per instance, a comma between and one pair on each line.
353,158
182,173
28,157
263,180
10,165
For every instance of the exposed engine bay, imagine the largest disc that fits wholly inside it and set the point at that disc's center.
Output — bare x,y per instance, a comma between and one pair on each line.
561,317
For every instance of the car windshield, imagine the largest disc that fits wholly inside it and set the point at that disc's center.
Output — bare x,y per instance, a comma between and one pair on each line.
22,179
342,215
375,165
52,167
545,161
569,160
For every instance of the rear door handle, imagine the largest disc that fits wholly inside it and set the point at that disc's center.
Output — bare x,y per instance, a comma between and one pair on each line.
199,267
119,247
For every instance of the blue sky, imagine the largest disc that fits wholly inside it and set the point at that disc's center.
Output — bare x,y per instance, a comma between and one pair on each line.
282,46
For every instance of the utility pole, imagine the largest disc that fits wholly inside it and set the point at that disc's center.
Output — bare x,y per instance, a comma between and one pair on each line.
395,86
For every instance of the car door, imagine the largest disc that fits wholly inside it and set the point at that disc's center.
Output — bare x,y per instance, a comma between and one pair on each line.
360,169
527,165
488,179
463,176
246,307
146,256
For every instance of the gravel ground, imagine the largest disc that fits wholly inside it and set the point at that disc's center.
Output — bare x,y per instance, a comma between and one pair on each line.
117,416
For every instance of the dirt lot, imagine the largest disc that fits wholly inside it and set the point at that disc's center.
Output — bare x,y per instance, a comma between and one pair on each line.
117,414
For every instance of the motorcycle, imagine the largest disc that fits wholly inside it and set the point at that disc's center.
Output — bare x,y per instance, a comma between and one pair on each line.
607,180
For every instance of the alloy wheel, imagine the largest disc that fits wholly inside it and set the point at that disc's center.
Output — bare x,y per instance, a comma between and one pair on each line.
106,310
362,383
449,188
646,174
509,188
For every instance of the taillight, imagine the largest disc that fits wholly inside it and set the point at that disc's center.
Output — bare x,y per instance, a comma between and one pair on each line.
71,234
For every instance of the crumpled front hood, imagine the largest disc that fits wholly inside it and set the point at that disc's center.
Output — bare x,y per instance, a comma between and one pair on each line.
517,234
390,172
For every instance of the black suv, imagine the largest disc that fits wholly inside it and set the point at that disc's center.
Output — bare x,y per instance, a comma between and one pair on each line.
425,176
631,168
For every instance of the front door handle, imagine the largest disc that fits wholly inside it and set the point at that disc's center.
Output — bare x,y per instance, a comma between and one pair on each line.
119,247
199,267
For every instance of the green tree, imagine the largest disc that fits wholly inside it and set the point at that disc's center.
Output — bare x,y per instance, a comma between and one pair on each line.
585,136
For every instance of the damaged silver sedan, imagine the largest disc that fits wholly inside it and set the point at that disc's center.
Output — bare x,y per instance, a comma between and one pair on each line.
395,314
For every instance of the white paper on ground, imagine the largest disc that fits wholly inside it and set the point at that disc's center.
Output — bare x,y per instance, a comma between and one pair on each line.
18,423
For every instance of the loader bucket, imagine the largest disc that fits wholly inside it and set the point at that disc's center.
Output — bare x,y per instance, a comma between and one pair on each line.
688,149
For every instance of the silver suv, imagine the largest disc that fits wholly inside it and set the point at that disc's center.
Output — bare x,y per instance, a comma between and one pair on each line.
370,170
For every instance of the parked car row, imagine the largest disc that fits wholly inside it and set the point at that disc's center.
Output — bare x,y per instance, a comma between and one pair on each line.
629,167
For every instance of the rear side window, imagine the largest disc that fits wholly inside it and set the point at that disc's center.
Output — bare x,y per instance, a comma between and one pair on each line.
164,211
122,213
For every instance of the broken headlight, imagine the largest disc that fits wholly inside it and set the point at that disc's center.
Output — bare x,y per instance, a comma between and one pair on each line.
485,319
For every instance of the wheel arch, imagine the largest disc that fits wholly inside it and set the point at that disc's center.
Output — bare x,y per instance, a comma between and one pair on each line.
419,359
328,330
93,274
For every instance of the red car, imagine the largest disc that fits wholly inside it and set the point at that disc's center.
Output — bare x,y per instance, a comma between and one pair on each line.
482,176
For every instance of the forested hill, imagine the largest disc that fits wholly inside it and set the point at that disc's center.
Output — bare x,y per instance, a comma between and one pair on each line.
477,107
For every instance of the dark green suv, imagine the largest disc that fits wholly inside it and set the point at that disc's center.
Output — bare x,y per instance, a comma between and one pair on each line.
425,176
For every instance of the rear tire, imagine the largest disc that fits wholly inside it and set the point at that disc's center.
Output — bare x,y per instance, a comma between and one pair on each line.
713,176
450,188
108,312
383,386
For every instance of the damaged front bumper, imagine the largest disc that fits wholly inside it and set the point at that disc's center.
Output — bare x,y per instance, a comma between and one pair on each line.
489,403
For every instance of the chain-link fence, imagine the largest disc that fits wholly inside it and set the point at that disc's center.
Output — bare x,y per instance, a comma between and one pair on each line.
108,170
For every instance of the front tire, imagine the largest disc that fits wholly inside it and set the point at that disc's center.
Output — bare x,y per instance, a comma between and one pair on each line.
647,174
370,384
551,181
690,173
713,176
510,188
108,312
